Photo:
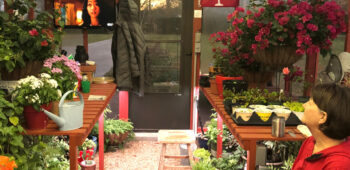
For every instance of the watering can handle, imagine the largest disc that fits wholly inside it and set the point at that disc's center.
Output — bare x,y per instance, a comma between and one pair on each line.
67,93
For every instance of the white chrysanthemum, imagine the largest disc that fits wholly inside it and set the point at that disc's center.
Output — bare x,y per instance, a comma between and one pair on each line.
45,75
59,93
53,83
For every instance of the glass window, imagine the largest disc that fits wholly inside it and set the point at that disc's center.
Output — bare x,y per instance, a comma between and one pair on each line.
161,23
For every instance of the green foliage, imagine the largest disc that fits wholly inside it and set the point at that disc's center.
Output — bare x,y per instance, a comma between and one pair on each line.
19,45
201,153
228,141
36,91
88,144
222,60
232,162
11,140
117,126
294,106
203,165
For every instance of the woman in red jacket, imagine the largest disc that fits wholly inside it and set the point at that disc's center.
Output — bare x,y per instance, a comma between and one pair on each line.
327,115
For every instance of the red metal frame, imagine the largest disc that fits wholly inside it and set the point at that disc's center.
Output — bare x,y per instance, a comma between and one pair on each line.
124,105
101,141
219,139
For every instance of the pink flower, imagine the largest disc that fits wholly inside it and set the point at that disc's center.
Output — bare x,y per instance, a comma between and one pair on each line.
258,38
56,70
300,26
240,9
300,51
285,71
284,20
261,10
229,17
250,23
306,18
44,43
33,32
257,15
249,12
312,27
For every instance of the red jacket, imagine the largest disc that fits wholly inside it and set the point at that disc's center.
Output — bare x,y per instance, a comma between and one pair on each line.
336,157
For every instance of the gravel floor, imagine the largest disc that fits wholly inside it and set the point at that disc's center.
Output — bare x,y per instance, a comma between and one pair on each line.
139,155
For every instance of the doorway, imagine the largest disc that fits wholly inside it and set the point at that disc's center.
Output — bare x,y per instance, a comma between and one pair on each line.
167,25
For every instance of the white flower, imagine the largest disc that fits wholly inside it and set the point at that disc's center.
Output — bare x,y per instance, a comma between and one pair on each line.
45,75
59,93
53,83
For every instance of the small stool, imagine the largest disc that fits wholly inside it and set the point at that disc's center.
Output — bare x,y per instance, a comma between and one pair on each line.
175,137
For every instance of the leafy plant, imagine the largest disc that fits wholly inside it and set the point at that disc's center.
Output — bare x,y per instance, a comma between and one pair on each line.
201,153
88,144
294,106
203,165
25,40
36,91
117,126
65,71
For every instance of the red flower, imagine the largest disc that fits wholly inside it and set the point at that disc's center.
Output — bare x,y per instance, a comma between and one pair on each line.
285,71
33,32
284,20
258,38
250,23
261,10
240,9
300,26
312,27
249,12
300,51
44,43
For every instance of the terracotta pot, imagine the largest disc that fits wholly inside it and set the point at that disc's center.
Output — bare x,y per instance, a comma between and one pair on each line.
277,57
31,68
115,140
213,87
84,166
36,119
257,79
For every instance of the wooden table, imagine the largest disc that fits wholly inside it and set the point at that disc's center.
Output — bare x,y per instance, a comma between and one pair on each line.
247,136
92,112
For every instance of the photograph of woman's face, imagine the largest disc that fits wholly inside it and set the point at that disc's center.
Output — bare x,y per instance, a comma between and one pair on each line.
93,8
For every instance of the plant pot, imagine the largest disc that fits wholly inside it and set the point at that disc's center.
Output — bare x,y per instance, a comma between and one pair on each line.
115,140
85,166
257,79
213,87
202,142
31,68
277,57
36,119
219,83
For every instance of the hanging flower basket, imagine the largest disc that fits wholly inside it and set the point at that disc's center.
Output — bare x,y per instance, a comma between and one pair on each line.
257,79
277,57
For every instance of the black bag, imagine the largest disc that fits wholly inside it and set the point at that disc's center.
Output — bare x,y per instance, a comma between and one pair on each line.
80,54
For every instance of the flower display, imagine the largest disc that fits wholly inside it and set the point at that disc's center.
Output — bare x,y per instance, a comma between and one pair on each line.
36,91
6,163
293,74
223,60
308,27
65,71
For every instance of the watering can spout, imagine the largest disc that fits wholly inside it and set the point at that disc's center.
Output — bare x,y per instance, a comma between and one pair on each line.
59,121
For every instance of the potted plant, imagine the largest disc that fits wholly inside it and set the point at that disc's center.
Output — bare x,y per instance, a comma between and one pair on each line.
86,152
87,162
66,72
201,154
25,43
117,131
34,93
277,33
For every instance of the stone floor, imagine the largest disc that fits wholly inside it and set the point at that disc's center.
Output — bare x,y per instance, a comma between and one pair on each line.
138,155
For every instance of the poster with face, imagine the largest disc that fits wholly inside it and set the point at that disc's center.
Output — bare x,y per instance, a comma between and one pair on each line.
85,13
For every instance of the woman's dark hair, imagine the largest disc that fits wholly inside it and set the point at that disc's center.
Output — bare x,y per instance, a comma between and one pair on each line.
101,17
335,101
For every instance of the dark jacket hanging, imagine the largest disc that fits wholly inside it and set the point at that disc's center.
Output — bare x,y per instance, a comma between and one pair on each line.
129,49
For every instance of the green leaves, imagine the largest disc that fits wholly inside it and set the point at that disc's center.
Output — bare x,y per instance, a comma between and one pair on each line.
14,120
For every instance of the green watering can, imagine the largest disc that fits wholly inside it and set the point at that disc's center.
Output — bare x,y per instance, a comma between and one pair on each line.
70,113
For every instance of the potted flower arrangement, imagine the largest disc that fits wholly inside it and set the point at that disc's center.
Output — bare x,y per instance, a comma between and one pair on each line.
66,72
34,93
25,43
86,152
277,33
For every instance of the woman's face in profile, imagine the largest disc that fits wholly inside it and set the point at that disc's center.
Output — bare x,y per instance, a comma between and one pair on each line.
93,8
